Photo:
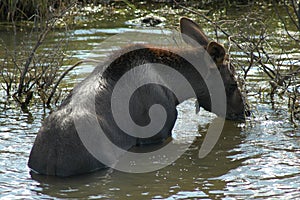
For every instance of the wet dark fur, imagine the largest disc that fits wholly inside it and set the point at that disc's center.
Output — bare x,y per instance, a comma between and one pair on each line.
58,149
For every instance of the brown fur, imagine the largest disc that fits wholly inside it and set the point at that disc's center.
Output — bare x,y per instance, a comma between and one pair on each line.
58,149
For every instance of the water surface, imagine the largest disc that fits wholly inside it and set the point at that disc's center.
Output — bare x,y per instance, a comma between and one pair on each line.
257,159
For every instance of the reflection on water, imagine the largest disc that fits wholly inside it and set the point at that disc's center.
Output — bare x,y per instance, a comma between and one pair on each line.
259,159
184,178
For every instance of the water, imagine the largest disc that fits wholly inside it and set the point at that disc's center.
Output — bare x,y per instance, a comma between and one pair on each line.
259,159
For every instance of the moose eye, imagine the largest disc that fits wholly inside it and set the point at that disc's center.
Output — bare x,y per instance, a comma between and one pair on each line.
232,87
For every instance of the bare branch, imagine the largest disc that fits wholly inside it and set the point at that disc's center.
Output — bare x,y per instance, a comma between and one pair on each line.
63,75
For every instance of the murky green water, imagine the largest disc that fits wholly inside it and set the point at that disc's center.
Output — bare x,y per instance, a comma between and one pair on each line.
259,159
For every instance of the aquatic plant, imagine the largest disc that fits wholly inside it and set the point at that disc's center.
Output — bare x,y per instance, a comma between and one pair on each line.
255,42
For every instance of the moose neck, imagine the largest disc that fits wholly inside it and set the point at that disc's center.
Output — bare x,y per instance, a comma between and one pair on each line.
192,64
181,60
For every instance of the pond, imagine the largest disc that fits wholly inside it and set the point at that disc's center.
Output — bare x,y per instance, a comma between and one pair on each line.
259,159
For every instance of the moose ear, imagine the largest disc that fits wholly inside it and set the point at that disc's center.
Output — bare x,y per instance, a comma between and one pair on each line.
191,30
216,51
